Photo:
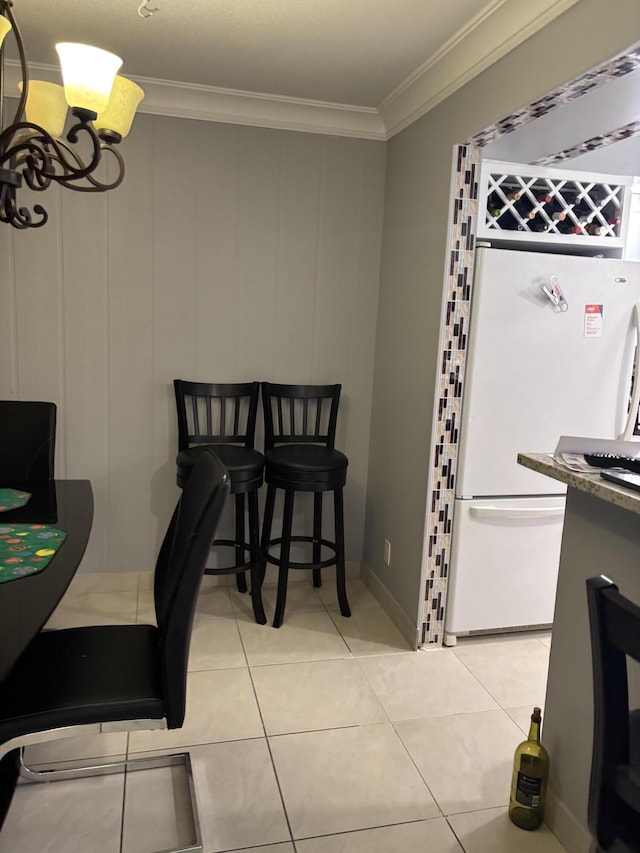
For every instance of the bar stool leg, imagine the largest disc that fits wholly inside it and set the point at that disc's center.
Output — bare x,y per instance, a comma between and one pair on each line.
317,536
255,557
258,609
267,521
340,567
241,580
285,548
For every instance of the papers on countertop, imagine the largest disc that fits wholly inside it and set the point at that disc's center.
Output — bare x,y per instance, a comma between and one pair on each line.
574,462
571,449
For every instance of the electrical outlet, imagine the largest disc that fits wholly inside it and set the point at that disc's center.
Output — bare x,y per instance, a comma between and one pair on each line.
387,552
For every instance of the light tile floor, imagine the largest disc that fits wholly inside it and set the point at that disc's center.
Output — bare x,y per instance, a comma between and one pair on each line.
326,736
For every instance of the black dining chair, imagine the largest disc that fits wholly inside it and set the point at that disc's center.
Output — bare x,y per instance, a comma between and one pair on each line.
300,456
82,681
223,416
27,441
614,789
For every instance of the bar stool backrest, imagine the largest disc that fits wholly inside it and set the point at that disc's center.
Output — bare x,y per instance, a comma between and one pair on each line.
614,790
216,413
300,414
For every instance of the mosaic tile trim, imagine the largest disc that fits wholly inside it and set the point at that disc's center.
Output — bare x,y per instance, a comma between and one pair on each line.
625,132
577,87
450,385
444,447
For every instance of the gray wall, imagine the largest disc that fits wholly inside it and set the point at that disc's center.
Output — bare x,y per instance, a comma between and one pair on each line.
621,158
228,254
412,271
603,109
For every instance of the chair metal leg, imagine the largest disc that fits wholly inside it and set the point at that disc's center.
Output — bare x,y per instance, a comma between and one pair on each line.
285,548
317,536
131,764
341,582
257,573
241,580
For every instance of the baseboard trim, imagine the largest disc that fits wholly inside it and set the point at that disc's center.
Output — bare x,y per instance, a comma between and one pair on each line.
409,631
568,830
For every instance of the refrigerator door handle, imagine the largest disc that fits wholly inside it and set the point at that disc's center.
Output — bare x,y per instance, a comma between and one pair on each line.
516,512
627,433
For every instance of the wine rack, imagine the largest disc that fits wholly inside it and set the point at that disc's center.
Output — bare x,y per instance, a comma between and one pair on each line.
539,205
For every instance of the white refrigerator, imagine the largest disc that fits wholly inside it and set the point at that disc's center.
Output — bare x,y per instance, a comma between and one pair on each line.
550,353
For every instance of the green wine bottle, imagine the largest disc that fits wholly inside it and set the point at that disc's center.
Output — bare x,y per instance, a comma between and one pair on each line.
530,774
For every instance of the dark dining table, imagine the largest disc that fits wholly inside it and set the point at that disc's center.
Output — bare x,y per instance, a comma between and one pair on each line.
26,603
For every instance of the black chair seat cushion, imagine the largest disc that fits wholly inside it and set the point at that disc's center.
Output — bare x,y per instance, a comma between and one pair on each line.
83,675
245,465
306,465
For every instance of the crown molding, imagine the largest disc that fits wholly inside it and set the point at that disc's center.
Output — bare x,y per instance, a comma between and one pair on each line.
232,106
500,27
209,103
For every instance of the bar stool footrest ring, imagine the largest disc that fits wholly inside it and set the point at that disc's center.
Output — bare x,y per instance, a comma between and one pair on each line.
322,564
230,570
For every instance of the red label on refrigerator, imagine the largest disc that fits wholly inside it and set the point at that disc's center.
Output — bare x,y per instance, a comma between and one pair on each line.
593,320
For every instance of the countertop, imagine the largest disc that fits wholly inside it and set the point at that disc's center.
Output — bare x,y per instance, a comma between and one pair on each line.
592,484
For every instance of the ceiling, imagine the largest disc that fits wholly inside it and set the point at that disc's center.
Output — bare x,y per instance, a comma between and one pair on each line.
343,51
352,59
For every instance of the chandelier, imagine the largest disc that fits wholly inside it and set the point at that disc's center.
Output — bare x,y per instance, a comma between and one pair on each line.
32,148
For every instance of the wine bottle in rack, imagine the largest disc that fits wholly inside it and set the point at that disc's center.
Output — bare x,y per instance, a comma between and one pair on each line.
529,781
565,226
581,209
556,206
538,224
508,221
523,210
560,223
495,205
543,198
553,202
614,223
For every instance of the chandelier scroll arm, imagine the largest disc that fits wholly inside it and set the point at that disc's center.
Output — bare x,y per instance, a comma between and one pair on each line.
19,217
36,155
33,153
95,185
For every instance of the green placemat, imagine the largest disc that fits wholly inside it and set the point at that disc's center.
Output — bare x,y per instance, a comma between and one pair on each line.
12,499
27,548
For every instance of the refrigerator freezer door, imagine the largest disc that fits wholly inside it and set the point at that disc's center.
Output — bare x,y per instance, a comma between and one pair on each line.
504,564
535,371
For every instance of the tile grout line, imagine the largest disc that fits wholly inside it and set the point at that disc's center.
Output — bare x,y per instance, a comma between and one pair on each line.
124,800
268,745
418,771
485,687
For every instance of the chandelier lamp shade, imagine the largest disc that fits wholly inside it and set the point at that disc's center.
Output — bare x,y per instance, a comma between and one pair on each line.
33,150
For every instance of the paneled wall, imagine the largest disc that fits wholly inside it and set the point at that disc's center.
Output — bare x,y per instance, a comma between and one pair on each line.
229,253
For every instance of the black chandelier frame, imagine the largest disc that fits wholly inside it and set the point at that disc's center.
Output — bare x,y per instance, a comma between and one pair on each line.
29,153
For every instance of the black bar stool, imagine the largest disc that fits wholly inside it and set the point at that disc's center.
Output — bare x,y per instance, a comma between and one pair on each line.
222,416
614,785
300,427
